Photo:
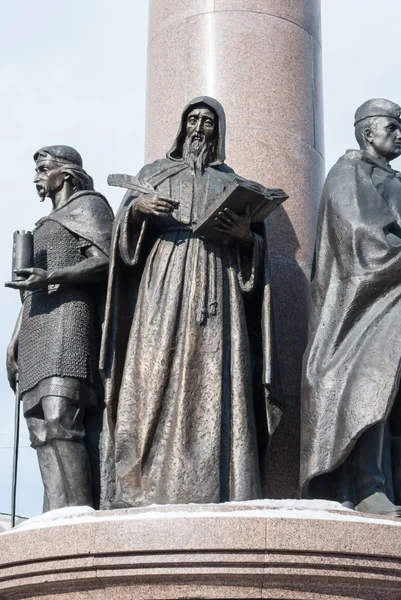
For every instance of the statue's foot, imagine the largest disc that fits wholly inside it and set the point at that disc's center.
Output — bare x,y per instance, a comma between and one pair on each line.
379,504
119,504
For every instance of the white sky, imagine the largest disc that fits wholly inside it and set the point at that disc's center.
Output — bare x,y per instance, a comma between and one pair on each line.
74,73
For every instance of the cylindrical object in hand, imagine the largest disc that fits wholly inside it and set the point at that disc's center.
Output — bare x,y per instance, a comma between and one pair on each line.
22,253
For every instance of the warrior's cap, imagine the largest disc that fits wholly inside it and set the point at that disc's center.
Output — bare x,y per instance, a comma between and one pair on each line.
378,107
62,155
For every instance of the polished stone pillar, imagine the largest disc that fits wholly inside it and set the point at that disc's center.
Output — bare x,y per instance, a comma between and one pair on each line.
262,60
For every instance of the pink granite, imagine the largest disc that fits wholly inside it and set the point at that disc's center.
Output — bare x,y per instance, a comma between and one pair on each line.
304,13
162,14
81,595
252,550
292,228
276,93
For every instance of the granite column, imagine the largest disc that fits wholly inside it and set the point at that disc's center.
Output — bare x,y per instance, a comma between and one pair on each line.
262,60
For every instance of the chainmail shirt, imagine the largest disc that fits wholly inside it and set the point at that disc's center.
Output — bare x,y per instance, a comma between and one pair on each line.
57,335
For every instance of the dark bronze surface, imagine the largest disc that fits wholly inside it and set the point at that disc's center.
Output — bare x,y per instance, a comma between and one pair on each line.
239,197
22,253
55,345
352,365
188,357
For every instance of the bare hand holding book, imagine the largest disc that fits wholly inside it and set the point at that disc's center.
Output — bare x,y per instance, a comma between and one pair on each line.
240,193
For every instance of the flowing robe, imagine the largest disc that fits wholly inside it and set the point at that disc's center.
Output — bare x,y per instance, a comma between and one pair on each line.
352,364
185,423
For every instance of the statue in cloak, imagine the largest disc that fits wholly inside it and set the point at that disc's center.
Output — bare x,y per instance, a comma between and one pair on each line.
54,350
351,426
187,343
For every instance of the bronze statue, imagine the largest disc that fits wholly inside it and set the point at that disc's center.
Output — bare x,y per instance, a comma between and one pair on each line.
350,394
55,346
187,349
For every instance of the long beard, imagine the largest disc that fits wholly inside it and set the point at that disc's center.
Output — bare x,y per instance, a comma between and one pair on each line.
197,154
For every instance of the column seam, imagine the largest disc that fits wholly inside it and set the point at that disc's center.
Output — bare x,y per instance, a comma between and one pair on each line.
280,133
214,12
250,127
314,92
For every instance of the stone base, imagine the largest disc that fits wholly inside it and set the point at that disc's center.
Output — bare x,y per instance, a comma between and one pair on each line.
261,549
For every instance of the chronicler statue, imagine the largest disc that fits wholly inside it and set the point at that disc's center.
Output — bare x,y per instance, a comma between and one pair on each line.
351,425
54,349
188,349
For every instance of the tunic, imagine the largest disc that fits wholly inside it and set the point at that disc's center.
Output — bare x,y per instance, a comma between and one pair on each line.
57,335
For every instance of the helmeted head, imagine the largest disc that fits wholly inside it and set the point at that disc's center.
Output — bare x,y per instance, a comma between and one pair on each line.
57,164
200,140
378,128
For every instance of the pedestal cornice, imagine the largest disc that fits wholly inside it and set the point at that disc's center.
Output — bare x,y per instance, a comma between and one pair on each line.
260,549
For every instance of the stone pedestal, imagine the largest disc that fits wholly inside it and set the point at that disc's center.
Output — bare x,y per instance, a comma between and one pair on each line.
273,549
262,60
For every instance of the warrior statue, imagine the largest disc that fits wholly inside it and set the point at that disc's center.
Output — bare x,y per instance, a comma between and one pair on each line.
351,426
54,349
187,346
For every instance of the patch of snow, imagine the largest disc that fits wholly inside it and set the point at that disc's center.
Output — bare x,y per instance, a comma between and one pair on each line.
268,509
60,514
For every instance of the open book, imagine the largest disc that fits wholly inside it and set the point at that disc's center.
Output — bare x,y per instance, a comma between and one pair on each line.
237,196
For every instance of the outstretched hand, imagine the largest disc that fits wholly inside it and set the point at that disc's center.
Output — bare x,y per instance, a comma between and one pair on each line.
235,228
36,279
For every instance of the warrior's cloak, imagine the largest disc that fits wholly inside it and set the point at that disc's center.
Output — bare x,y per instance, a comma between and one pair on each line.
352,363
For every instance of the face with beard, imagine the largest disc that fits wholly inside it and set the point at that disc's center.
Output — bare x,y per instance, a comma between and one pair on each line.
200,141
49,178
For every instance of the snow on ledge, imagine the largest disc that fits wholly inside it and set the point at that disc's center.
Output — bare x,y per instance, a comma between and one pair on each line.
269,509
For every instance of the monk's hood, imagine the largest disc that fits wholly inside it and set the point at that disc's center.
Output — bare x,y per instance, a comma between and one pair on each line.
176,151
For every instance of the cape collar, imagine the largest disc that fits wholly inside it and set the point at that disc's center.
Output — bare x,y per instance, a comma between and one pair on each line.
71,199
368,158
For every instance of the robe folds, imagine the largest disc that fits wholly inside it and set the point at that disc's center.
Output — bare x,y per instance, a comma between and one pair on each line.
352,363
187,353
